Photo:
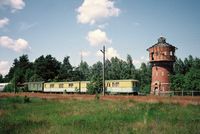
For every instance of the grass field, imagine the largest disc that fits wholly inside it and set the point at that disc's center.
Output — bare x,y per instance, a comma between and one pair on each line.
96,116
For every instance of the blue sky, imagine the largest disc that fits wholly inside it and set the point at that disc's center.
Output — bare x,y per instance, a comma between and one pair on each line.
67,27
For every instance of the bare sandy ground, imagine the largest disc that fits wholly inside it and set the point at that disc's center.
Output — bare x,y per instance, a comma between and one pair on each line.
182,100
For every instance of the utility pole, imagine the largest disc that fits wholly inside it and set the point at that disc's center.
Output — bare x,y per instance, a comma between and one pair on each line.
103,51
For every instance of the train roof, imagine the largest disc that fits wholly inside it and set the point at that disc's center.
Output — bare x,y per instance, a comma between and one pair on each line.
4,84
66,82
35,82
89,81
124,80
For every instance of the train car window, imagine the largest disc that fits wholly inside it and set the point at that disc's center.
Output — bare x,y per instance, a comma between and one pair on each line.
115,84
133,84
60,85
70,84
136,84
51,85
108,84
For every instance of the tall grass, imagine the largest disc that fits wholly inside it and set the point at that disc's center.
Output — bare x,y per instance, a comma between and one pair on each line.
97,116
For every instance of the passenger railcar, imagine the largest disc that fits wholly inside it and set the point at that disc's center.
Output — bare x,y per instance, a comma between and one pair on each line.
122,86
35,86
112,86
69,87
2,86
83,86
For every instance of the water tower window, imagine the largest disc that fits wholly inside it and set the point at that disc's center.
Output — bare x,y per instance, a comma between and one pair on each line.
171,53
152,56
162,73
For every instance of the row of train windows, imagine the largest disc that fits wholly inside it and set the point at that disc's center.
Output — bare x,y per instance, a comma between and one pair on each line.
61,85
36,85
114,84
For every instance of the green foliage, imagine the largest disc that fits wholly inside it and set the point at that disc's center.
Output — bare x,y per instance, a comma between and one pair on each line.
35,78
192,79
77,90
8,88
29,73
97,96
92,88
177,82
89,117
95,84
186,74
1,79
146,89
26,99
144,76
65,72
46,67
84,70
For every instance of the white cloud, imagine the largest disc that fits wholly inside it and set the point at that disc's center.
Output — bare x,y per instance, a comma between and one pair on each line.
4,67
110,52
93,10
18,45
4,22
13,4
137,62
85,53
98,37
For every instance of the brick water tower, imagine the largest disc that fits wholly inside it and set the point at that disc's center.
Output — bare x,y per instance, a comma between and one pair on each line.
161,57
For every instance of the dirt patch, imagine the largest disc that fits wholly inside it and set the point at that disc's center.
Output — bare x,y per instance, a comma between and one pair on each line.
182,100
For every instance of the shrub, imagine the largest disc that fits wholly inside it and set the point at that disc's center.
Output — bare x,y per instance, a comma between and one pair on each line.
77,90
26,99
97,97
91,88
8,88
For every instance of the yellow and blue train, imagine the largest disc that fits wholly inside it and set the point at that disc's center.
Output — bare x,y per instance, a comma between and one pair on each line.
129,86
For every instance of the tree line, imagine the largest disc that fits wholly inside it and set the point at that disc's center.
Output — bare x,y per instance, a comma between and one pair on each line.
186,73
48,68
